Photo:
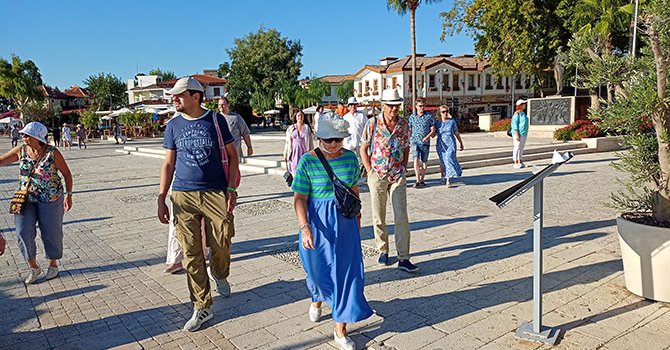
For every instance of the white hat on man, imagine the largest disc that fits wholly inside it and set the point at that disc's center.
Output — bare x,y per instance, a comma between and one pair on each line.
391,97
521,101
352,101
185,83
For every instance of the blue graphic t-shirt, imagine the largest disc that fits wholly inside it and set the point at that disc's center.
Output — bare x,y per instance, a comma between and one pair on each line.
198,166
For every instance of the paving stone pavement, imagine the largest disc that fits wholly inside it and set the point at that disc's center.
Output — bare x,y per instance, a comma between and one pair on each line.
473,291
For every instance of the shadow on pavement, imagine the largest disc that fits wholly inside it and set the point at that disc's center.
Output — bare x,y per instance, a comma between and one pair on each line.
367,232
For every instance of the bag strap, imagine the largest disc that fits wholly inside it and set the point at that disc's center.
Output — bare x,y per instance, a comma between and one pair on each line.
222,147
325,164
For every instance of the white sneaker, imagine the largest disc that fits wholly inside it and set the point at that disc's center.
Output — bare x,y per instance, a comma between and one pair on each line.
522,165
52,272
517,166
314,313
34,275
199,317
220,285
345,342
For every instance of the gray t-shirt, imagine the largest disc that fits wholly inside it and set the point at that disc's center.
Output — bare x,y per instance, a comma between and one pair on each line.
238,128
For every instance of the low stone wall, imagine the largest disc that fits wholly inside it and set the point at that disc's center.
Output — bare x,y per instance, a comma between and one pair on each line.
603,144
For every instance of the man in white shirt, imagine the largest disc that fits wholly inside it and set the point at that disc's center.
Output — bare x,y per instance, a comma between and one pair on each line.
357,122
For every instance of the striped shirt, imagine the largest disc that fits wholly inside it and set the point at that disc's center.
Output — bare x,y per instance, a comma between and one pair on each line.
311,178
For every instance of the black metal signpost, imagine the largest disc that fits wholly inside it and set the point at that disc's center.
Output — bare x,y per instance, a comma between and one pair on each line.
535,331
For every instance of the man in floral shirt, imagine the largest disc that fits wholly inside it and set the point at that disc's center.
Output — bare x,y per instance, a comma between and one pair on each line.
423,128
384,154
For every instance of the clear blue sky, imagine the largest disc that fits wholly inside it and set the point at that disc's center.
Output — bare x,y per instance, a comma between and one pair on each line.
71,40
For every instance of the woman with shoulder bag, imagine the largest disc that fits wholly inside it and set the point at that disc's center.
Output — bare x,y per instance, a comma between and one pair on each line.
40,198
298,141
330,247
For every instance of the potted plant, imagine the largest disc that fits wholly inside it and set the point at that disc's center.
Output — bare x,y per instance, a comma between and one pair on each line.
641,113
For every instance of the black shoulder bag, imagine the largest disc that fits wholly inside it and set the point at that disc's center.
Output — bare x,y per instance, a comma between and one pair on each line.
348,202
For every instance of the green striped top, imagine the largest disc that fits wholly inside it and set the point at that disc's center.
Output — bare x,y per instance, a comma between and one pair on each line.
311,178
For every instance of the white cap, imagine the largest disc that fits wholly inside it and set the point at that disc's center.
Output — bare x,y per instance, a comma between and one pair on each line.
35,130
521,101
185,83
352,101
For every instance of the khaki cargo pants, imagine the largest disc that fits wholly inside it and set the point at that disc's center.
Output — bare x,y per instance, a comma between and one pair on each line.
190,208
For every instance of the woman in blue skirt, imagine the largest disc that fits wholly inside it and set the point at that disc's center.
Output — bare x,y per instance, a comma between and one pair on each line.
330,247
447,130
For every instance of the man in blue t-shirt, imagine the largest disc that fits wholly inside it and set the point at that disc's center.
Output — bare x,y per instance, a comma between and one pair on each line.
200,190
423,128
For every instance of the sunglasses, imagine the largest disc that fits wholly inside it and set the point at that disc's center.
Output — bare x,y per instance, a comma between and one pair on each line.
338,140
443,111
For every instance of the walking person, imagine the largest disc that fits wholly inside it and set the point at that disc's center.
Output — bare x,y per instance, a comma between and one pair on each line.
519,129
67,137
15,135
56,136
202,159
356,122
46,202
299,140
317,116
81,136
117,129
330,248
447,130
386,138
423,128
237,126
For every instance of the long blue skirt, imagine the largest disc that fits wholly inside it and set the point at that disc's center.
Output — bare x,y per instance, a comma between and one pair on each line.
335,267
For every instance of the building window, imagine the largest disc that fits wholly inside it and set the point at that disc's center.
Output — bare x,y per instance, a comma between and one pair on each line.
431,82
383,83
471,82
217,91
517,82
375,87
499,83
487,82
455,83
360,89
367,88
394,82
445,82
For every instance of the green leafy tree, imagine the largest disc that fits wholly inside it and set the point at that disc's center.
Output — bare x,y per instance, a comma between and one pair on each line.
20,82
36,111
165,75
90,121
516,37
402,7
108,91
263,64
345,90
642,114
224,69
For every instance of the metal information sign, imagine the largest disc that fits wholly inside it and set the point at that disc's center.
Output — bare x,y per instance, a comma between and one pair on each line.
535,331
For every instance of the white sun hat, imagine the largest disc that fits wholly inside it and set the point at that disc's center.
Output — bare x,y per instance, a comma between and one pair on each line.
391,97
332,126
35,130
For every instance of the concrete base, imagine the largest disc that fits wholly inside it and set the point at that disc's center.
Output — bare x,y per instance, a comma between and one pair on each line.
547,335
603,144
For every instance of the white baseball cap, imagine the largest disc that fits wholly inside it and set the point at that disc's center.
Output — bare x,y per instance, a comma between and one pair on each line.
521,101
185,83
35,130
352,101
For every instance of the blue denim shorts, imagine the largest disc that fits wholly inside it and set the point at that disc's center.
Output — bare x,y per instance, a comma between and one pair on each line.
420,151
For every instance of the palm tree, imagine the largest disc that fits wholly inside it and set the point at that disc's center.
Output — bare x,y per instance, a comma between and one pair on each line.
402,6
607,17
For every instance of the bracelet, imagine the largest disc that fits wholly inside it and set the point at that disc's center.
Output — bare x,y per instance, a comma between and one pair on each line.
232,189
302,227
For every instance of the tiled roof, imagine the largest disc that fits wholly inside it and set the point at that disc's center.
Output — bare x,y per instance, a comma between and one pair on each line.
336,79
48,91
78,92
464,62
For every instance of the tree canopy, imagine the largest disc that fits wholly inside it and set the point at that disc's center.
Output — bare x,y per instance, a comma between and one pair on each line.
20,81
165,75
345,90
516,37
263,63
108,91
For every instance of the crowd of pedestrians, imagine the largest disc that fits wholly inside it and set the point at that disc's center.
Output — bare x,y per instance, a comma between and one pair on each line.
200,179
